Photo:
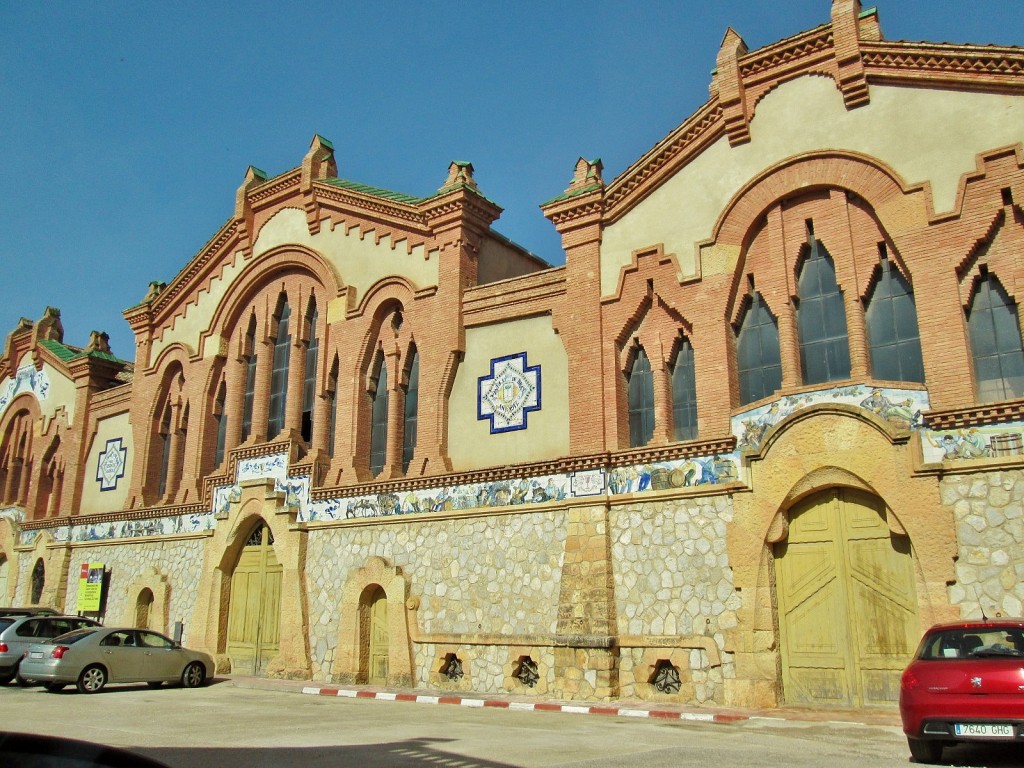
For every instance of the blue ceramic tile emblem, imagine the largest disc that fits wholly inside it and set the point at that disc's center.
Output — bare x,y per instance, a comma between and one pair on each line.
509,394
111,463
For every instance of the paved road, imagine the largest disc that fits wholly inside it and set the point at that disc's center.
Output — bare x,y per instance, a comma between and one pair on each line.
230,727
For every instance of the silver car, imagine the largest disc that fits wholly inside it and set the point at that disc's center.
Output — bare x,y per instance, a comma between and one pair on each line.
17,633
90,658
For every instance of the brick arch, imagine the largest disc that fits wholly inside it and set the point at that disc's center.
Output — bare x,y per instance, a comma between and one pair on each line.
257,501
294,261
346,667
865,176
822,446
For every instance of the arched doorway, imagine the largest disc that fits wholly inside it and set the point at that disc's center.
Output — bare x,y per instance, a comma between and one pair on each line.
144,609
847,604
373,622
254,611
38,581
4,584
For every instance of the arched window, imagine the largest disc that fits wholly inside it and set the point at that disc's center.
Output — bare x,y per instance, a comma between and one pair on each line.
332,405
412,399
309,376
38,581
891,319
379,421
757,350
821,317
279,373
995,342
250,378
684,393
641,400
165,450
221,416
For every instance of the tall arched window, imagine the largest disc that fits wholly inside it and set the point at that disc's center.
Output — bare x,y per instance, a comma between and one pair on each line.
757,351
332,405
38,581
684,393
379,421
221,416
412,399
279,373
250,378
165,450
821,317
309,376
641,400
995,342
891,320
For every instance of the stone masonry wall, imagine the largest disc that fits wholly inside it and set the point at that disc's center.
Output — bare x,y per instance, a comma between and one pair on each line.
989,513
180,562
498,574
672,577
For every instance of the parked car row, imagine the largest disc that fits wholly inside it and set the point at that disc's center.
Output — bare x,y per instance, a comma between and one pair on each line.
40,646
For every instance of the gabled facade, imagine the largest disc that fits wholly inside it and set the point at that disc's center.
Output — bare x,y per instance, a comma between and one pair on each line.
765,425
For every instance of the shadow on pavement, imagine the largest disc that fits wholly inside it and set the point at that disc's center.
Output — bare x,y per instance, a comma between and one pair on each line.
411,752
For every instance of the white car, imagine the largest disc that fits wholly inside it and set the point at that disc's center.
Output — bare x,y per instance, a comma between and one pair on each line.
92,657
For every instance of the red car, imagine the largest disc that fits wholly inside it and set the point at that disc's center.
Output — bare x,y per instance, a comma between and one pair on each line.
966,683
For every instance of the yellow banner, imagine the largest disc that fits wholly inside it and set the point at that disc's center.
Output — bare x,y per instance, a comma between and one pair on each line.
90,587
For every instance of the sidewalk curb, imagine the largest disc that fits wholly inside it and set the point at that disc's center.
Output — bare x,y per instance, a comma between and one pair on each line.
525,706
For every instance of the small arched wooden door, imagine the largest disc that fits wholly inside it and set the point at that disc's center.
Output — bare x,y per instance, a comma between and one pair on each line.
846,600
254,611
375,616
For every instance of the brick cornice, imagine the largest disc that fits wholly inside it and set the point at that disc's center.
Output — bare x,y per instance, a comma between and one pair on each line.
971,66
993,413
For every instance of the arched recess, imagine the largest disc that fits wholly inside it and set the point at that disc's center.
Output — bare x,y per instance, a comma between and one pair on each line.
821,450
155,586
259,504
352,658
846,597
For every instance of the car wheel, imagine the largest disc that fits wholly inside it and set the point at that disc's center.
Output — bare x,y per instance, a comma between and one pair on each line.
925,750
92,679
22,681
193,676
155,683
53,687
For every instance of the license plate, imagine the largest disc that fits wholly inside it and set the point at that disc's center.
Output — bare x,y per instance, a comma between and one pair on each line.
36,655
984,730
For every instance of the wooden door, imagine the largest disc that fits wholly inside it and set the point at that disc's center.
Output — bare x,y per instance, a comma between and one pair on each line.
847,602
378,638
254,612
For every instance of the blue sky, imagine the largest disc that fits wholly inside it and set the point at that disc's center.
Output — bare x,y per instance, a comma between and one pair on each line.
125,129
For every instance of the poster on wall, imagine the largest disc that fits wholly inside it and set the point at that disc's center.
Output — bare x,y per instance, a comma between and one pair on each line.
90,587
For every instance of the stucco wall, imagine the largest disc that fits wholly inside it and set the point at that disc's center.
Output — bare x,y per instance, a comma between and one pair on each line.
358,260
470,443
95,500
929,136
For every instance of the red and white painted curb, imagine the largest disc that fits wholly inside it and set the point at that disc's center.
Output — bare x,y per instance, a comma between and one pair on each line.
528,706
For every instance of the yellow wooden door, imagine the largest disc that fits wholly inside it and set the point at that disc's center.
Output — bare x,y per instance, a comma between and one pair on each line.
378,638
254,611
847,602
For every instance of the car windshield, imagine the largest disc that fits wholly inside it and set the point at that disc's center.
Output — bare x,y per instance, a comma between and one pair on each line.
972,643
70,638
